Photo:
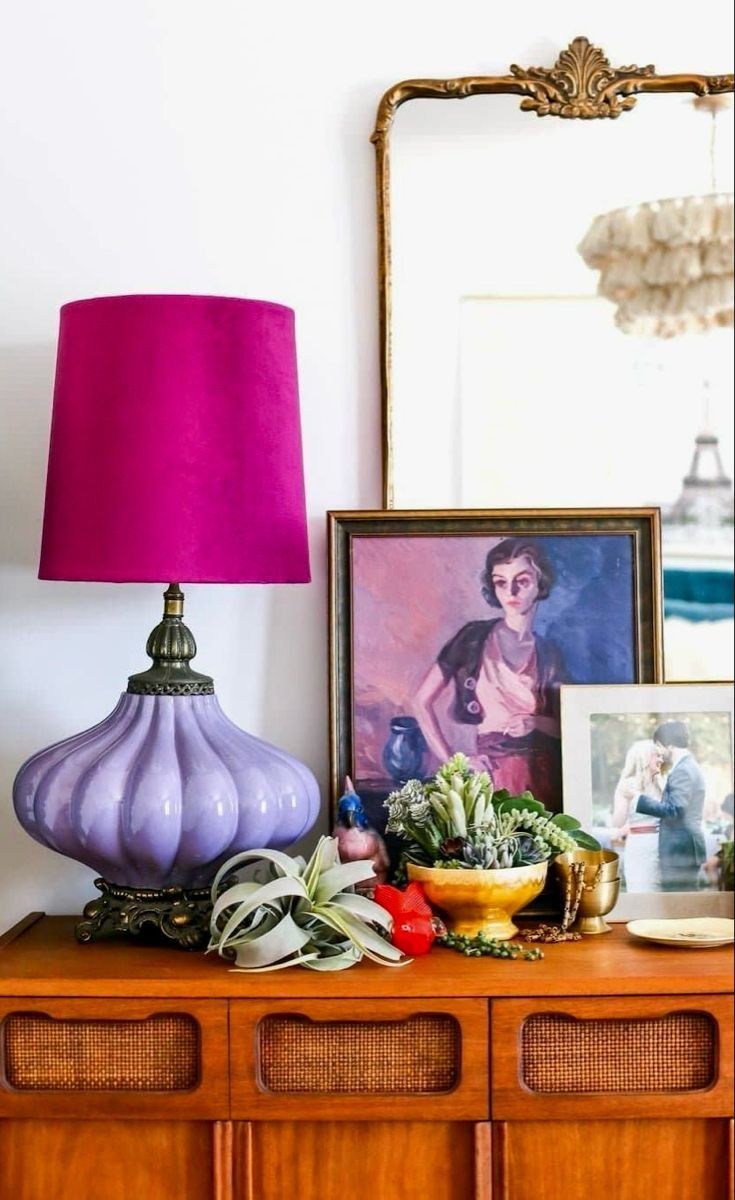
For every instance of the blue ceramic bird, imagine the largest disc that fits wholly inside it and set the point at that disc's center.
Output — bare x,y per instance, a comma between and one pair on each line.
357,840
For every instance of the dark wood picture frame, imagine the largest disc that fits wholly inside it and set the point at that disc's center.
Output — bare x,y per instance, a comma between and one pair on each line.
641,524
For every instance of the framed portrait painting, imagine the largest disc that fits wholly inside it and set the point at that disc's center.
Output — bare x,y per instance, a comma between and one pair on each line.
649,772
454,631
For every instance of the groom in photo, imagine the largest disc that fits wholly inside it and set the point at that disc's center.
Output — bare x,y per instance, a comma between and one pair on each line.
681,844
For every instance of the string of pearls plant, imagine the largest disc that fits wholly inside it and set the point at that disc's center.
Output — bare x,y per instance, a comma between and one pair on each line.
481,946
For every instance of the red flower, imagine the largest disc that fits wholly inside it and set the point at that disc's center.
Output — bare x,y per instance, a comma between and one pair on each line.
414,929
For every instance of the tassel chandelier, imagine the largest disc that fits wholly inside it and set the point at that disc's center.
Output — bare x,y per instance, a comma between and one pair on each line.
668,264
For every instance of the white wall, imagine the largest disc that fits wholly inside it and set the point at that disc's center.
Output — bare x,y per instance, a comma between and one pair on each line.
218,146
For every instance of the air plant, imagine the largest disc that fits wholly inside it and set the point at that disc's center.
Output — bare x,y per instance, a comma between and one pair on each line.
298,913
457,820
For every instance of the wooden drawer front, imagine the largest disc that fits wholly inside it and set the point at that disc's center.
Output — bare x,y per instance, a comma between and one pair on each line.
108,1160
378,1059
356,1160
114,1058
667,1056
682,1159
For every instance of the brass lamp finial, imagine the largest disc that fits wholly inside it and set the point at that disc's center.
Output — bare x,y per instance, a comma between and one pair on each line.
171,645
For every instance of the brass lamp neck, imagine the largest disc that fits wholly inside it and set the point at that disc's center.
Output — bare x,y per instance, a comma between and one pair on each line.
171,645
173,601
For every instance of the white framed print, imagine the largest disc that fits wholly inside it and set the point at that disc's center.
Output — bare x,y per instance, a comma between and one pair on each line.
648,770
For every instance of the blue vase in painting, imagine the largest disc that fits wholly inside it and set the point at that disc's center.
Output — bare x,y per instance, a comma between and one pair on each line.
403,753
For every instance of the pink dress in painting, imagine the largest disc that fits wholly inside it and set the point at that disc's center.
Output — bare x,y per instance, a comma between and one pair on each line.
507,702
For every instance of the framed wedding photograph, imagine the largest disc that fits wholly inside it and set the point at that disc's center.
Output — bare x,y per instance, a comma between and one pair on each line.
454,631
648,770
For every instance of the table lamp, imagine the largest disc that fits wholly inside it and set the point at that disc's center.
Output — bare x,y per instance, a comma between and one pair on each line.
175,457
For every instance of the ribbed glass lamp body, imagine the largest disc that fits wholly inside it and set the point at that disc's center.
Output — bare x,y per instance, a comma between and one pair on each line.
162,792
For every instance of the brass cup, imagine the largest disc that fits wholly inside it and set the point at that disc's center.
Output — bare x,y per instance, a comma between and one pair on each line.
599,865
596,902
600,889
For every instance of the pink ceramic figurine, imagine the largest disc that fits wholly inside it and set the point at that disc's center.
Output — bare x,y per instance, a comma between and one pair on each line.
358,840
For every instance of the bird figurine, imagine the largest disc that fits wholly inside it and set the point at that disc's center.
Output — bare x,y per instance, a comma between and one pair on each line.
357,840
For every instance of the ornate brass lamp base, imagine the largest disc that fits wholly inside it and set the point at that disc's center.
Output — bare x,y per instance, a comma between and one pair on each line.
173,915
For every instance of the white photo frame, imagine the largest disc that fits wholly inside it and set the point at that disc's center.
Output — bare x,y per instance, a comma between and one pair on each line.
599,725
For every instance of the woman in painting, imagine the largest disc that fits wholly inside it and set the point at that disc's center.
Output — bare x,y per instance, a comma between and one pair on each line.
640,776
504,679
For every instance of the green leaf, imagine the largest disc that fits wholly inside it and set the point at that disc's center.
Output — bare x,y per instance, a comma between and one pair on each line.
297,960
457,814
238,892
277,889
325,856
284,940
370,943
261,921
525,803
334,962
339,878
565,821
283,863
367,910
439,806
585,841
478,811
233,897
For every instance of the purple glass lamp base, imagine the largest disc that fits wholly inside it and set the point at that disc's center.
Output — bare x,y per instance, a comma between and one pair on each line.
157,796
162,792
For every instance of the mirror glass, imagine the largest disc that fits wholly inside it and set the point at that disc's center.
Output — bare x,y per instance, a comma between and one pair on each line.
512,384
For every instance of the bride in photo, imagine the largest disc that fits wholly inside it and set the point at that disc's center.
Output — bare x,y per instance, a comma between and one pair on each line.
641,775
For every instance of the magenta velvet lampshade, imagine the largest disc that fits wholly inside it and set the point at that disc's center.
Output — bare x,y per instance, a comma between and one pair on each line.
175,444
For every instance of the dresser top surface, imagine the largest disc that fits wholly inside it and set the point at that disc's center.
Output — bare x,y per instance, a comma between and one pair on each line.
39,957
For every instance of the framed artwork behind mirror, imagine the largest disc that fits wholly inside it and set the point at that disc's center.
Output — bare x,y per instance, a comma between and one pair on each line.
556,309
454,631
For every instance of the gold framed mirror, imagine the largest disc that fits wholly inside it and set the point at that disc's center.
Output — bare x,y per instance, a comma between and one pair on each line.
507,380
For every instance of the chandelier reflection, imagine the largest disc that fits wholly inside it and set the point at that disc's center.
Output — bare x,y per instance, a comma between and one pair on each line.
667,265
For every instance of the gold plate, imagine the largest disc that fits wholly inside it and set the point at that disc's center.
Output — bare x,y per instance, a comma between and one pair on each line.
696,933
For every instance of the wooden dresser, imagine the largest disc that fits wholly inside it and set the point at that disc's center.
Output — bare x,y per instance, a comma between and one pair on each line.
135,1073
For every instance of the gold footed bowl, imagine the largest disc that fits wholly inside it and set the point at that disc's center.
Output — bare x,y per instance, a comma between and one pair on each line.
481,901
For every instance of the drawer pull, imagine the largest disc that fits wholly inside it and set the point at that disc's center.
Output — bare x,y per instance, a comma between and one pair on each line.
421,1054
672,1053
157,1054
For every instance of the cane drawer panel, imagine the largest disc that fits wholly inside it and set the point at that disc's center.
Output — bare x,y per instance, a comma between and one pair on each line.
419,1055
379,1059
117,1058
664,1056
157,1054
672,1053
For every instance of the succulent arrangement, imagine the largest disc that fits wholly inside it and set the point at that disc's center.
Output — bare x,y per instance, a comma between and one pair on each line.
457,820
298,913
